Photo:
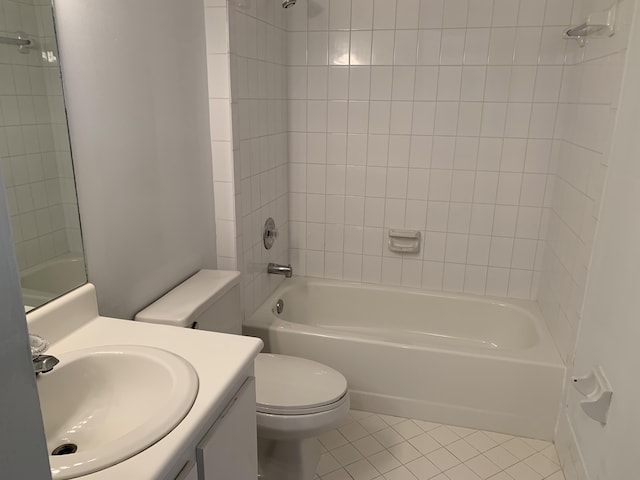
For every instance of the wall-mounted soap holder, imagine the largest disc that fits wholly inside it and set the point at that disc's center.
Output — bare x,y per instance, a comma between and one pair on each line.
404,241
597,389
597,24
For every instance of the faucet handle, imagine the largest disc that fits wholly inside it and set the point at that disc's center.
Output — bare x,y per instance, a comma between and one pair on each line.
38,345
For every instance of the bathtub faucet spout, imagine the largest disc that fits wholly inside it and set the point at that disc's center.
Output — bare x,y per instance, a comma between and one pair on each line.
278,269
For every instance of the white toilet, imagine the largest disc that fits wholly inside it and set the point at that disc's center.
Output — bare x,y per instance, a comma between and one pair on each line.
296,399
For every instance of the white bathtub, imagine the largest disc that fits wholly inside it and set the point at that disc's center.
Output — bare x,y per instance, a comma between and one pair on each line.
51,279
457,359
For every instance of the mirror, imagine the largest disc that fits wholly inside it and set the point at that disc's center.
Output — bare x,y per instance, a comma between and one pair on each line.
35,155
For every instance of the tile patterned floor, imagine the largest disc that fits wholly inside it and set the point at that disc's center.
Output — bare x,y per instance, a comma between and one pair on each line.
369,446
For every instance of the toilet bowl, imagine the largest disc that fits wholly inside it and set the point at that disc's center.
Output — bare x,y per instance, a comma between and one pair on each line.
296,399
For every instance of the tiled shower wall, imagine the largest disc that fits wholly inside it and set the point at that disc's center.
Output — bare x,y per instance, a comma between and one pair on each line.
248,98
588,106
34,144
431,115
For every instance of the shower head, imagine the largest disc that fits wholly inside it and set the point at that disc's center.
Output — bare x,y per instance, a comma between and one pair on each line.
288,3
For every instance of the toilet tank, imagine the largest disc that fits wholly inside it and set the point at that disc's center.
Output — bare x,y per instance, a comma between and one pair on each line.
209,300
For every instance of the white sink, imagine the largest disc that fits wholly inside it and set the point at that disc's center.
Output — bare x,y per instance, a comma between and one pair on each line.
112,402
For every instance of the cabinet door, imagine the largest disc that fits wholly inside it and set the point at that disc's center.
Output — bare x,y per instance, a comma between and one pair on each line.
229,450
189,472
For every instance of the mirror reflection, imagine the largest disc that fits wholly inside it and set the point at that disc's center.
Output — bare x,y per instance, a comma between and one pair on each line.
35,155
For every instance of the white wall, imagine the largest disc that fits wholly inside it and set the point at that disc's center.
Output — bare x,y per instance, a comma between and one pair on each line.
433,115
136,91
609,330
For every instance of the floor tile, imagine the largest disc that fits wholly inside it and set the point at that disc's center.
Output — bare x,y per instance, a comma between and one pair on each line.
521,471
501,457
482,466
391,420
556,476
551,454
443,459
424,443
480,441
404,452
537,445
461,472
426,426
373,424
327,464
499,476
407,429
518,448
346,454
444,435
353,431
332,439
400,473
337,475
362,470
369,446
423,469
388,437
462,450
498,437
542,465
384,461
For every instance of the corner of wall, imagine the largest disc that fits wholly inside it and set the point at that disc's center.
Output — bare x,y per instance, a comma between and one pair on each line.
569,453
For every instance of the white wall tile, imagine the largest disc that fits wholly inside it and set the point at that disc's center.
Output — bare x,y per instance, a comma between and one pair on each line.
452,46
407,14
339,15
338,49
384,14
405,47
361,14
434,115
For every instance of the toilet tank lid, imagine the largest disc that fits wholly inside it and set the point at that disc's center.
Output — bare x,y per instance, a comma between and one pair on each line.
189,299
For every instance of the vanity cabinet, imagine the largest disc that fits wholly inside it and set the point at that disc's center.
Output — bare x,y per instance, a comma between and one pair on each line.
189,472
229,449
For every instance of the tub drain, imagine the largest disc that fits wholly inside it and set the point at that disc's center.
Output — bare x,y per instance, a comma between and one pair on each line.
65,449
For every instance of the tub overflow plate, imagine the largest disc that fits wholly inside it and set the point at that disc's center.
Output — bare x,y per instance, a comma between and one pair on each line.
279,306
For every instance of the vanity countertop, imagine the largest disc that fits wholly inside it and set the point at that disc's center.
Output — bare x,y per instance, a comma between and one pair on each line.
221,361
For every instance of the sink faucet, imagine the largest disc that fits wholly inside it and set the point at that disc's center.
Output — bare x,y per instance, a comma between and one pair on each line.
44,363
41,363
278,269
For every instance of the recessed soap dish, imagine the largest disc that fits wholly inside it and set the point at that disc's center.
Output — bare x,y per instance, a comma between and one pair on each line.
598,392
404,241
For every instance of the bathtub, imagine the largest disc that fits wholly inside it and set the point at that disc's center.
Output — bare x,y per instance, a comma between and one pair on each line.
463,360
51,279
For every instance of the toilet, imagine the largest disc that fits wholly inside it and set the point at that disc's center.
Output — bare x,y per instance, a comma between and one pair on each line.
296,399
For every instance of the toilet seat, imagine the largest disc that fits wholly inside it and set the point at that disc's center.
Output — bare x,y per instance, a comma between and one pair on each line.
296,427
288,385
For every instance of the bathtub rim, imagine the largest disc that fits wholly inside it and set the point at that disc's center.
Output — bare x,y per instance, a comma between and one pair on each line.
34,298
544,352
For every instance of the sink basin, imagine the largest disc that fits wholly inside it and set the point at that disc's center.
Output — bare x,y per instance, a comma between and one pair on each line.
103,405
